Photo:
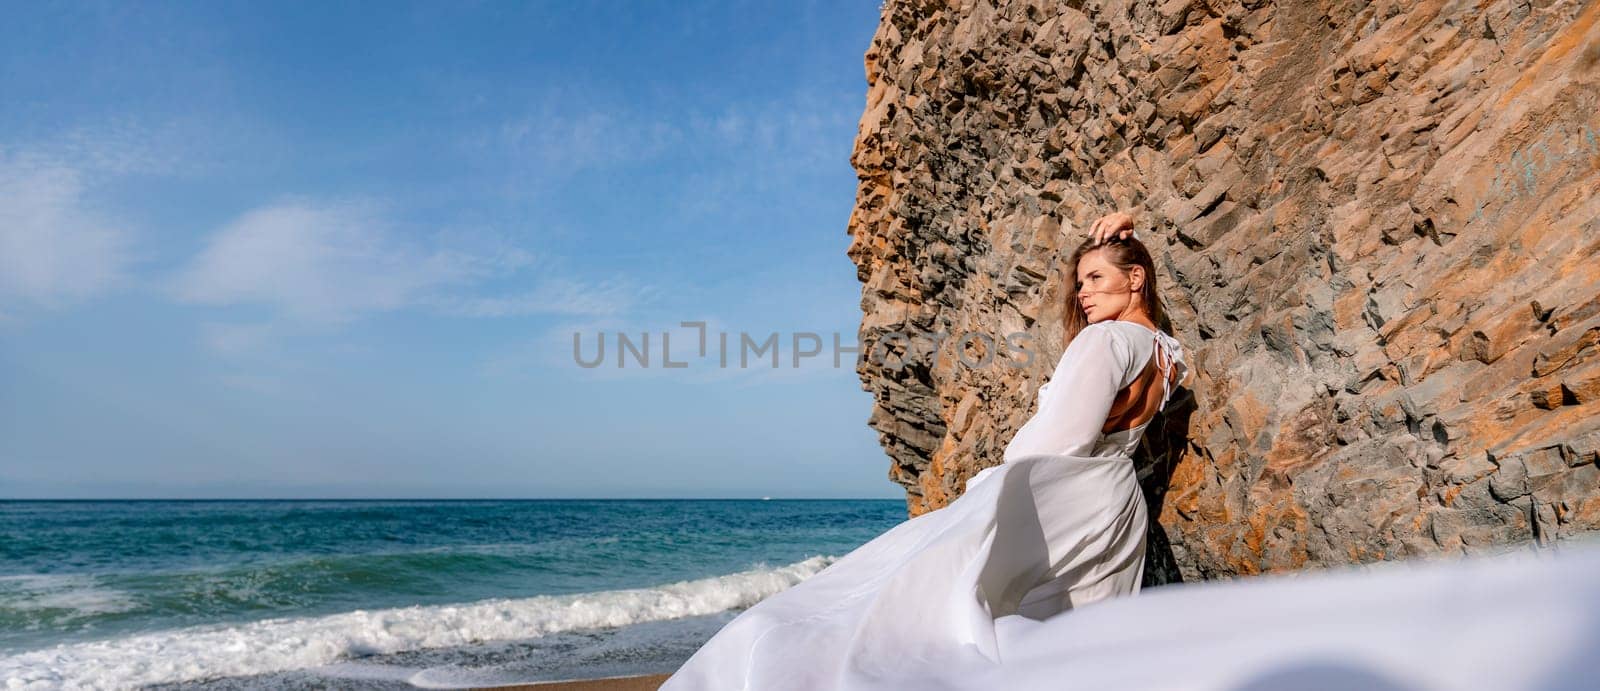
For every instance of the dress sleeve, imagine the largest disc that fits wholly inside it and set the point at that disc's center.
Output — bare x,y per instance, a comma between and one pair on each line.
1074,404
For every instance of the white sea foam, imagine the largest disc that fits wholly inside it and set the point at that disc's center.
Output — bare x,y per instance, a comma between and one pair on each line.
74,595
276,645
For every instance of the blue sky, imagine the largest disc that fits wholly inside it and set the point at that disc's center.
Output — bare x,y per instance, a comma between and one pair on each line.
289,250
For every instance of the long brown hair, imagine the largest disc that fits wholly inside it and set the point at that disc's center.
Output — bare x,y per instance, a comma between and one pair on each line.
1123,253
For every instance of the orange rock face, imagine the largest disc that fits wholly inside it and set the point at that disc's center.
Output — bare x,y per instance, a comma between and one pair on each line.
1378,234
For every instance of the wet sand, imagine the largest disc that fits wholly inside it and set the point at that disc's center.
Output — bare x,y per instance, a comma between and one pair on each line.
645,683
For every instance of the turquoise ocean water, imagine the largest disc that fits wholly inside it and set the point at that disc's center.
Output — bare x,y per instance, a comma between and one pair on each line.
393,594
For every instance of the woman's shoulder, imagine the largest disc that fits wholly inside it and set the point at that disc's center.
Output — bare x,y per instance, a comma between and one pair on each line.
1100,332
1104,338
1116,331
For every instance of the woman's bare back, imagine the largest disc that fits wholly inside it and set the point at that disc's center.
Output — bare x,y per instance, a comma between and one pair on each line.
1139,402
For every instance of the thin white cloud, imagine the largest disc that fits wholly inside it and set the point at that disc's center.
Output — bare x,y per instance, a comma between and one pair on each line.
324,262
557,296
803,126
764,149
236,340
332,262
127,146
54,249
573,141
57,247
568,132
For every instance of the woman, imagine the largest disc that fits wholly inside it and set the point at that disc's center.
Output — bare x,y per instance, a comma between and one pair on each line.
1058,525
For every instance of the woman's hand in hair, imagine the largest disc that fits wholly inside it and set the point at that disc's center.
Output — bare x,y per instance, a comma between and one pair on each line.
1114,224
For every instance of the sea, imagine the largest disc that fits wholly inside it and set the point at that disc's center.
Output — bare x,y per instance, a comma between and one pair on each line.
393,594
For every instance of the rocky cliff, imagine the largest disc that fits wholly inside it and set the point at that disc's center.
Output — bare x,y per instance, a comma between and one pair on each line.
1377,233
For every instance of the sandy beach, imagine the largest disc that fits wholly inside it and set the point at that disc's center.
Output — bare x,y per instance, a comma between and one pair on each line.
645,683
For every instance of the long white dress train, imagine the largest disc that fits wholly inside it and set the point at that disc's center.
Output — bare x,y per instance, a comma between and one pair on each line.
1058,525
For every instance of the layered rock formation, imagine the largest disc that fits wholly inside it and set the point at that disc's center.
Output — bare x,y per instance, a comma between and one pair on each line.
1377,231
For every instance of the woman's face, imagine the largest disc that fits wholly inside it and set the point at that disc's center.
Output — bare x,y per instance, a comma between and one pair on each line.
1104,291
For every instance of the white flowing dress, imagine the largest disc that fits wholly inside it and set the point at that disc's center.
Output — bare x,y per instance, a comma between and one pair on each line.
986,593
1058,525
